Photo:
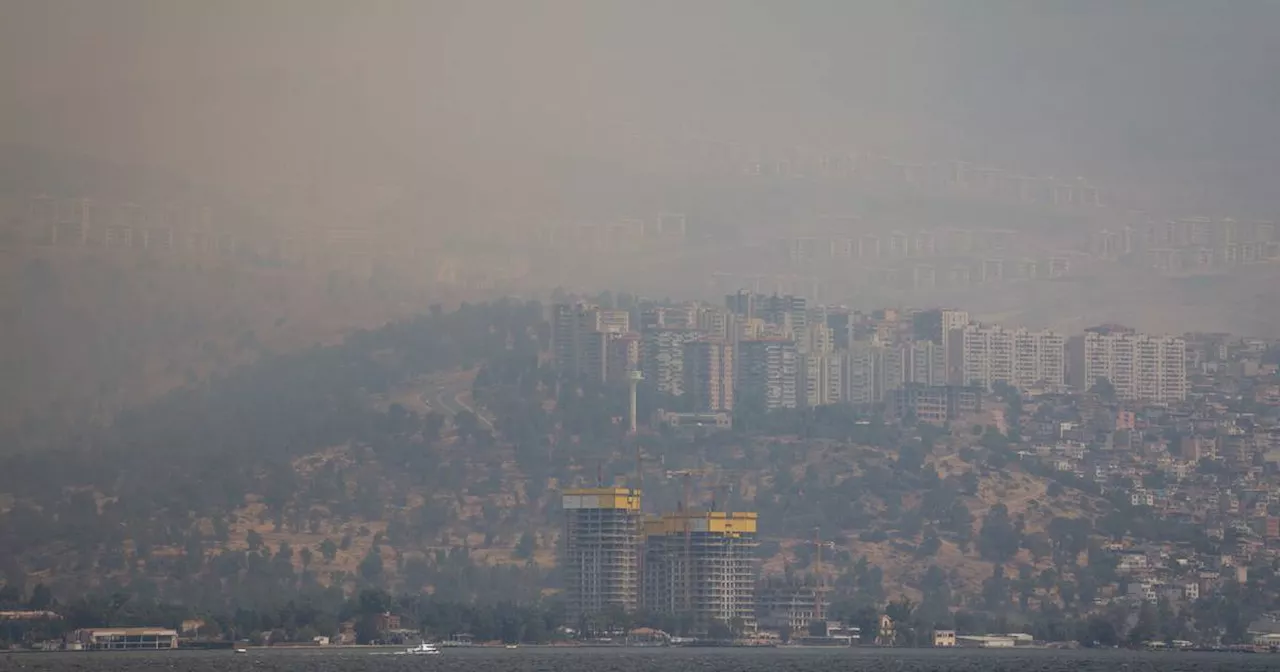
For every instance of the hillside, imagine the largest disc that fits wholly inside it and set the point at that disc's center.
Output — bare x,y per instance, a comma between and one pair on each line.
96,328
94,331
364,464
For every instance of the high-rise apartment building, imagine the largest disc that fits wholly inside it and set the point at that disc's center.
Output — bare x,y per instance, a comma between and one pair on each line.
893,368
991,354
926,363
822,378
741,304
662,358
564,335
861,365
612,321
715,322
601,550
1040,359
607,357
593,355
1138,366
653,317
580,334
768,369
701,564
708,371
952,320
789,312
873,371
821,339
756,329
683,316
841,322
623,357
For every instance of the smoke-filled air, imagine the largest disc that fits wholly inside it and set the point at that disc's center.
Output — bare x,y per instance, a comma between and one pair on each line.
715,322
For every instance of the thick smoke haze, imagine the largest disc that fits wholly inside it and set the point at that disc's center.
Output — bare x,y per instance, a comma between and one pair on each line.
474,149
317,314
333,91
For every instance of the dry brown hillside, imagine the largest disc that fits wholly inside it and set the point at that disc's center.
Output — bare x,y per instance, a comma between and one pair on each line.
491,504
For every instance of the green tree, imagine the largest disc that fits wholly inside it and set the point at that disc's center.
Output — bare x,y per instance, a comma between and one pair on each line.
432,425
999,539
1104,389
41,598
371,567
328,550
527,546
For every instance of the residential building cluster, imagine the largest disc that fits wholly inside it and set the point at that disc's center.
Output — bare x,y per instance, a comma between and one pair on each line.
783,352
1187,427
1208,457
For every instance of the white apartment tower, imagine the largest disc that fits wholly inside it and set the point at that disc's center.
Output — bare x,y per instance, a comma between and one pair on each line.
580,336
926,363
1039,359
952,320
987,355
708,374
860,367
1139,366
893,369
822,339
717,323
768,368
822,378
662,359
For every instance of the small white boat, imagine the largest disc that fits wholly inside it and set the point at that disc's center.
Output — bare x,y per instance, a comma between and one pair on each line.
242,650
423,649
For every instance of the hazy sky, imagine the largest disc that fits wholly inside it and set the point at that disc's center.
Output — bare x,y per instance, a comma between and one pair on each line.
327,89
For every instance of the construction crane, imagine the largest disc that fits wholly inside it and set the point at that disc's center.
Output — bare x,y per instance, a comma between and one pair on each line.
686,477
719,494
726,484
639,492
819,585
717,489
640,474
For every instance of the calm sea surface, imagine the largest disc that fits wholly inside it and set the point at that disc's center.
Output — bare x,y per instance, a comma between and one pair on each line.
531,659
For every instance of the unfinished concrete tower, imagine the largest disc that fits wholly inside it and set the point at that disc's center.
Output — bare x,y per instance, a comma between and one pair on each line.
701,563
602,548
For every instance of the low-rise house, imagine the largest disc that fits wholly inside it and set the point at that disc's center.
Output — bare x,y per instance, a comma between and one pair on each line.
1132,561
1146,591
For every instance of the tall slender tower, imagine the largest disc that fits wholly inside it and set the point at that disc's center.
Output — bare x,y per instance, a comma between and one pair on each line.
633,379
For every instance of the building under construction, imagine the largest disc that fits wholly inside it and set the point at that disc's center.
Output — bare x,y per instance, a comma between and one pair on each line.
602,550
701,564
